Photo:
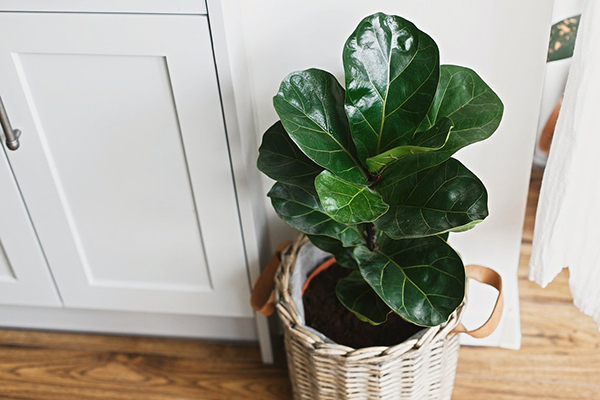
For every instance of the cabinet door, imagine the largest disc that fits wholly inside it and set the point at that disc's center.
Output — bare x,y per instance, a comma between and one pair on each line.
124,163
24,275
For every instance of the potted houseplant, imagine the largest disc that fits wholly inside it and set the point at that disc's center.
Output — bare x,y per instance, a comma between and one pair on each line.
366,173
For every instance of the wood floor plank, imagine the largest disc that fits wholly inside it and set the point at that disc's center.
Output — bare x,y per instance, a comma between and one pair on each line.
241,352
477,388
39,373
558,344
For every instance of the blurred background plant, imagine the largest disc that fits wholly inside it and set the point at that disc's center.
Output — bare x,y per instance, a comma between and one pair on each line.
562,38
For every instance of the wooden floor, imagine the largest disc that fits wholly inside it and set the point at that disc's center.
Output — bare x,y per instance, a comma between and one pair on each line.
559,359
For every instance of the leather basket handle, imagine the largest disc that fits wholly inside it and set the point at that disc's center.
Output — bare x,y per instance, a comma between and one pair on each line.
492,278
262,298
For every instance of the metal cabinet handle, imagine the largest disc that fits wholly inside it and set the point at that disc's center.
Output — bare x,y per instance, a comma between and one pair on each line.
12,135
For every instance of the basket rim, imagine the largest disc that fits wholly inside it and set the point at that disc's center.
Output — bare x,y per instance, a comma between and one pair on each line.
292,320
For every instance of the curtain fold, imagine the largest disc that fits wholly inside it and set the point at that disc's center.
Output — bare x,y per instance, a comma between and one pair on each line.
567,228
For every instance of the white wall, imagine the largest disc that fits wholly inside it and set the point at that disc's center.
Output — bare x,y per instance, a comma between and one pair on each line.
505,41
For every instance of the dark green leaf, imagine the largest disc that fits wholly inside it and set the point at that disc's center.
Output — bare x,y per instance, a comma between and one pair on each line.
392,70
357,296
423,280
433,139
472,106
343,255
469,102
301,210
347,202
280,159
444,198
310,105
444,236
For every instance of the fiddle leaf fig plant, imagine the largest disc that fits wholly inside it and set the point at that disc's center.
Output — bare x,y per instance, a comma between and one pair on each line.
367,173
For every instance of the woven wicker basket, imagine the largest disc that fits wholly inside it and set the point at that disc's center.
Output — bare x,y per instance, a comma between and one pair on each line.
421,368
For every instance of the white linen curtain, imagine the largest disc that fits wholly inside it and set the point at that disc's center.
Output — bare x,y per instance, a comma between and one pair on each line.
567,228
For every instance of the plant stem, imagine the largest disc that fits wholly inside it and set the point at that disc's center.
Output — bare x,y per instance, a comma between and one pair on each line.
373,180
371,237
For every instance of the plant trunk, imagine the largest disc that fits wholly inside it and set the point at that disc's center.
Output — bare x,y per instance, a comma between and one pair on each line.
371,237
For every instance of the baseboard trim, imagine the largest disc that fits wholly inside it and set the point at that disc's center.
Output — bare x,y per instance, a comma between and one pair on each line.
130,323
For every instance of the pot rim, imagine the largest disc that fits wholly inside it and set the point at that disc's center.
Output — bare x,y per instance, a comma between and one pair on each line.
315,272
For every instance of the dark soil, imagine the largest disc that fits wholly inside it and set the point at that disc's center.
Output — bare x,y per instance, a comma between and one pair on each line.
325,313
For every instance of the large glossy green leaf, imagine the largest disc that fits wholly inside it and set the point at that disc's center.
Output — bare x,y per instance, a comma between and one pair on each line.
433,139
392,70
280,159
301,210
444,198
343,255
469,102
474,109
423,280
357,296
310,105
347,202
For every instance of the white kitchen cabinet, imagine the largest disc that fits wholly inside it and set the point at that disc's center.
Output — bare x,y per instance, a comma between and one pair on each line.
124,163
24,275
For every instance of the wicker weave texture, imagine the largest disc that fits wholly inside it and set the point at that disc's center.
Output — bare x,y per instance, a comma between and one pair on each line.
421,368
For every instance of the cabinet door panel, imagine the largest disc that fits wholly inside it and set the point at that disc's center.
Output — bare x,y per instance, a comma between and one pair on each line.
24,275
124,161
